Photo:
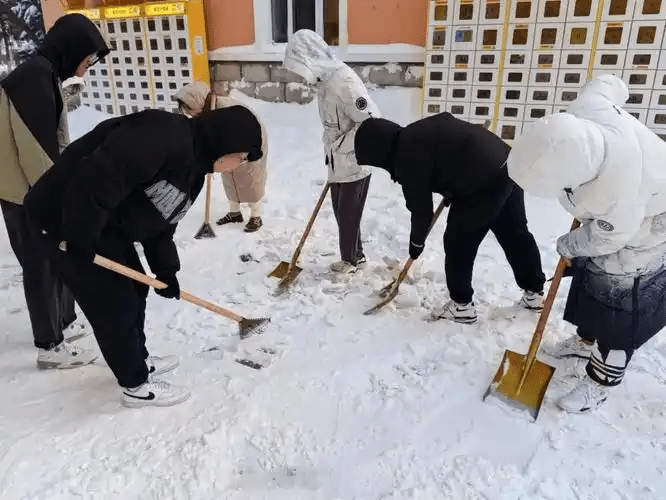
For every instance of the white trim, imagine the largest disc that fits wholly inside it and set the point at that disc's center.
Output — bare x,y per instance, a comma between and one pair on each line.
343,24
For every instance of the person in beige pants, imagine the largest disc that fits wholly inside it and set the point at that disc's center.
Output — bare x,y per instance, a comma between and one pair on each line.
247,184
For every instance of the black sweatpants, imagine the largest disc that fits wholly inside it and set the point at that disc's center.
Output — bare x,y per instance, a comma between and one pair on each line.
462,240
348,200
114,305
50,303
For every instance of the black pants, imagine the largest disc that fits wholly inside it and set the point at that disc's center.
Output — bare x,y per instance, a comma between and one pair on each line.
348,200
461,244
50,303
114,305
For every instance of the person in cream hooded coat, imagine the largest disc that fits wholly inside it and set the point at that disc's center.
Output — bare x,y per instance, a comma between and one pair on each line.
246,184
607,169
344,104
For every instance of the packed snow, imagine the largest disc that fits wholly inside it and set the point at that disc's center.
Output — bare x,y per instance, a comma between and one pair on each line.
352,406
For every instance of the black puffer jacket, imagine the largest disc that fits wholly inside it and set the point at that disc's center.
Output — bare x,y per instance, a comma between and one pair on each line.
140,174
441,154
34,87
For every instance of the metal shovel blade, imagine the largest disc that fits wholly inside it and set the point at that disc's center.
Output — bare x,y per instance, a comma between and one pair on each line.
206,231
506,383
387,294
249,327
282,270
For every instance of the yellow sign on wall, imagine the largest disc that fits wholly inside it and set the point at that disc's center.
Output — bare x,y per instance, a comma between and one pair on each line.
165,9
120,12
93,14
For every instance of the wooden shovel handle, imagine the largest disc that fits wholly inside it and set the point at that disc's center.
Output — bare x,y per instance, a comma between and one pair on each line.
547,306
320,202
403,274
147,280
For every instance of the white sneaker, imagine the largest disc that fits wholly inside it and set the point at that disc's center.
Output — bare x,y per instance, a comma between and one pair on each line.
343,267
157,365
76,331
153,393
573,347
63,356
587,396
460,313
532,300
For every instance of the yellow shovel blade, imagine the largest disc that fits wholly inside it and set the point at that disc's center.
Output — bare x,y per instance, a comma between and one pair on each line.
508,376
282,269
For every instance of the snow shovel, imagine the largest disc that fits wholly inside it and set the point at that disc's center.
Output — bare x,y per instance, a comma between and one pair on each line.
521,381
390,291
289,271
247,327
206,231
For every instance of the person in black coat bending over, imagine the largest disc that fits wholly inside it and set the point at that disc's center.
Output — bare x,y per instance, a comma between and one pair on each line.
466,164
132,179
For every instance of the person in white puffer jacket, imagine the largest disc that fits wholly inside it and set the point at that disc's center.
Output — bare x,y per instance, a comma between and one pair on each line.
609,171
344,104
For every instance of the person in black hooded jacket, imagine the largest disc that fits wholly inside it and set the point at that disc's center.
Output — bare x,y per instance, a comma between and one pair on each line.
33,132
466,164
132,179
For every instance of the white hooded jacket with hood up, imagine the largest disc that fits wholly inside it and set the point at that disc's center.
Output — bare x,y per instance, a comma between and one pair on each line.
344,102
608,170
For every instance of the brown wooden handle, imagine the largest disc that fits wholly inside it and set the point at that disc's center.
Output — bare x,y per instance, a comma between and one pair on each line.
209,190
405,269
320,202
545,312
147,280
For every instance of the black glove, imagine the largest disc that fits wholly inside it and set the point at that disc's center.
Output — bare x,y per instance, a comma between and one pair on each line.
81,252
172,291
415,251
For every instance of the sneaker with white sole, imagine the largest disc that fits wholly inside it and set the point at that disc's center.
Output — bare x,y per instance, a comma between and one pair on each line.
532,300
157,365
63,356
343,267
573,347
588,395
460,313
153,393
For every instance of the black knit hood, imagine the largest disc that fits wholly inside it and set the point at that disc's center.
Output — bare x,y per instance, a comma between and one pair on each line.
375,143
70,40
224,131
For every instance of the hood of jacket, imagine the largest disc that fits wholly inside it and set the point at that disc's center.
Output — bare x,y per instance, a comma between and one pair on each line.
607,86
375,143
193,96
70,40
555,153
224,131
309,56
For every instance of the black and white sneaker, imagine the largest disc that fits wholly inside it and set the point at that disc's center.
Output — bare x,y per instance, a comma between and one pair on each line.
153,393
460,313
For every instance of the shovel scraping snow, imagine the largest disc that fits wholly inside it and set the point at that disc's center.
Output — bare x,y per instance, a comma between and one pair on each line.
289,271
521,381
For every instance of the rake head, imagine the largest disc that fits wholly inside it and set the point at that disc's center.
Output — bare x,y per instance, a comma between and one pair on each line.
206,231
249,327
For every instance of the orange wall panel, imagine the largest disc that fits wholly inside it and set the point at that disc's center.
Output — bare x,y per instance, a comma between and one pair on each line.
387,21
229,22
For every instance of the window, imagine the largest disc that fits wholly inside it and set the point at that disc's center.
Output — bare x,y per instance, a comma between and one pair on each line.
289,16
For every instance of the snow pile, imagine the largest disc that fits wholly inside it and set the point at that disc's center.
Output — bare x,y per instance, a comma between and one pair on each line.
352,407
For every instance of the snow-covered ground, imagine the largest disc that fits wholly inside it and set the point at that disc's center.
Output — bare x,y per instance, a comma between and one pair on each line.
353,407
